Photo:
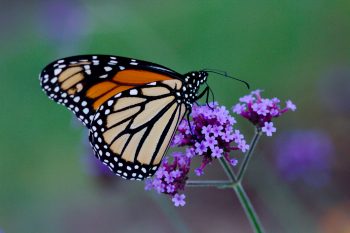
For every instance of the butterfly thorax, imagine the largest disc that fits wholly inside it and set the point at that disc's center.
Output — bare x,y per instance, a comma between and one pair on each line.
192,82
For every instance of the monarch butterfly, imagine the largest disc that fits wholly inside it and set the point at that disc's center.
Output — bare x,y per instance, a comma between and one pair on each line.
131,107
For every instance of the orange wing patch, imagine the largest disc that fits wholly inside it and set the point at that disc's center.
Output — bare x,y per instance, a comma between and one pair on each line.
138,77
100,89
110,94
123,80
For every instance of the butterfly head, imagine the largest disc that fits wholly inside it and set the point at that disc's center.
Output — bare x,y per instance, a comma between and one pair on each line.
196,77
193,81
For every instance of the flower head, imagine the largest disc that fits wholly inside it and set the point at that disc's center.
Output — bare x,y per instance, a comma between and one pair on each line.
260,111
171,177
212,135
209,135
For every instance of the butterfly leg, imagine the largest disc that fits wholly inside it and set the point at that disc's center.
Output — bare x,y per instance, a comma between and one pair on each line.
189,122
206,92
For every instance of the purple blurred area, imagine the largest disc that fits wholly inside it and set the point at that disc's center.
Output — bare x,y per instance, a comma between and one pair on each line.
305,156
63,22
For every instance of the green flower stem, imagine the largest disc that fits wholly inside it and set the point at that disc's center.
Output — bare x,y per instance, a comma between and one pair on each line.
235,183
238,188
242,197
248,155
248,208
210,183
228,170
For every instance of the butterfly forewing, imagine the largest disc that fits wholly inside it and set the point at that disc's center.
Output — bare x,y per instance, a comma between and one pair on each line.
83,83
131,131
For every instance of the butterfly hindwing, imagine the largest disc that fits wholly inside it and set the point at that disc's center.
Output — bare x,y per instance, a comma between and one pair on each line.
131,131
84,83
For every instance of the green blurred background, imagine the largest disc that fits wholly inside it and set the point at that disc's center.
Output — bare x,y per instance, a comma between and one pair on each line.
298,50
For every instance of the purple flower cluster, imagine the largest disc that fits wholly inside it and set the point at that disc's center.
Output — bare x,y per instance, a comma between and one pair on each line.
209,135
260,111
171,177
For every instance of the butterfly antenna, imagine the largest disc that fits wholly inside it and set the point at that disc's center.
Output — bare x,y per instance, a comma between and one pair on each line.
224,73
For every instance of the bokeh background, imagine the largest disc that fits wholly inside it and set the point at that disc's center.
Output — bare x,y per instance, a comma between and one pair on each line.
299,50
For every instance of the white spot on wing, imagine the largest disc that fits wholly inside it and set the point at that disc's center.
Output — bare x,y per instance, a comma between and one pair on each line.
54,80
57,71
76,99
96,115
133,92
108,68
110,102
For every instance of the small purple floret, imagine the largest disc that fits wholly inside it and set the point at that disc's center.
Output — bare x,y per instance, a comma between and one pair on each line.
179,200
